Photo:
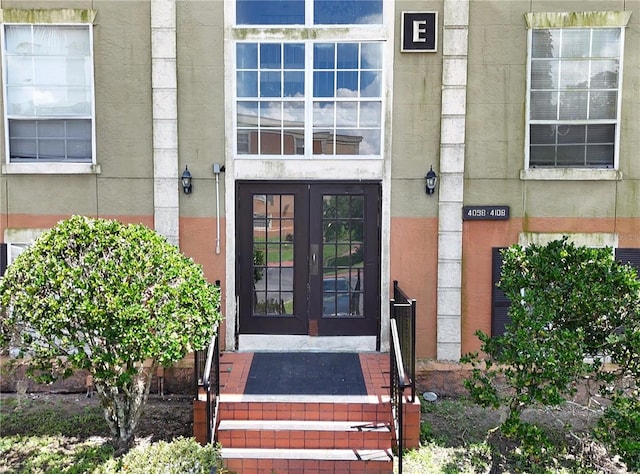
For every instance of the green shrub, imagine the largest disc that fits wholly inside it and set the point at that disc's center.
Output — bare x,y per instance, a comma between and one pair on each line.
619,427
569,304
181,456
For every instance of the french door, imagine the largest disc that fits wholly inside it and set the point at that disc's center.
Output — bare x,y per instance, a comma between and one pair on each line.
308,260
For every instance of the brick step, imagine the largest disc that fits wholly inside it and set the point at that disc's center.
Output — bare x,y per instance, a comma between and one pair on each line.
355,409
308,461
285,434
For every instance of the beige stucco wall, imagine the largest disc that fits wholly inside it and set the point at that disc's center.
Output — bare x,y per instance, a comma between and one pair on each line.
416,120
496,118
122,71
201,118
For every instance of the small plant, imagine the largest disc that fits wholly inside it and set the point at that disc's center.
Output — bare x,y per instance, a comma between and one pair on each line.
181,456
426,433
111,299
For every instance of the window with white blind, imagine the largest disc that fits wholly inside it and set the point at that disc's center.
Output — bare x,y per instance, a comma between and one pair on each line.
49,93
574,86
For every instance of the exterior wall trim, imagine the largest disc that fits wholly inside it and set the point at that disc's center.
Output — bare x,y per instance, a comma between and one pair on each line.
164,85
56,15
452,153
575,19
572,174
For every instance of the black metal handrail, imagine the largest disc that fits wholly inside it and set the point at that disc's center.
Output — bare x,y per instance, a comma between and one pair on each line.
402,364
398,385
203,377
403,310
212,362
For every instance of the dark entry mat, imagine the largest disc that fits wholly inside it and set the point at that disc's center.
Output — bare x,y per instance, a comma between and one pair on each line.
305,373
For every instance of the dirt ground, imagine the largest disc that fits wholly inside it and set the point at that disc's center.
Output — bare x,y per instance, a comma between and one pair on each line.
163,418
168,417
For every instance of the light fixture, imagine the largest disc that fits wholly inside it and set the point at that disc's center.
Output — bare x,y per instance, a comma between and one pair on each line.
186,181
430,180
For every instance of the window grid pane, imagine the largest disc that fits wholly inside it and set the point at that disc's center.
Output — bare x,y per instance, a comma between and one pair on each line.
49,92
323,12
50,141
272,74
572,145
351,75
273,250
272,98
573,85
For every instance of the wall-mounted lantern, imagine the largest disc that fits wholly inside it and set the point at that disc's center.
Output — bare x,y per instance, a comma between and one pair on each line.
186,181
430,181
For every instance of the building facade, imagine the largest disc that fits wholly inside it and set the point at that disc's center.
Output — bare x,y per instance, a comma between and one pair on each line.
308,126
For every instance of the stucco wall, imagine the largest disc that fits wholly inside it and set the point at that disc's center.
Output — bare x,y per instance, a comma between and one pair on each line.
495,152
122,71
201,118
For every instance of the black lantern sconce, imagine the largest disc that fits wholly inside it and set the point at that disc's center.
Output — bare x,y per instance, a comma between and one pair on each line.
430,181
186,181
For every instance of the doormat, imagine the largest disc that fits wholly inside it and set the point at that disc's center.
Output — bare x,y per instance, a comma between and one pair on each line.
305,373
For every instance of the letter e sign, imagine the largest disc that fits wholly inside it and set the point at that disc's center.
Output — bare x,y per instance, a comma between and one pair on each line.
419,32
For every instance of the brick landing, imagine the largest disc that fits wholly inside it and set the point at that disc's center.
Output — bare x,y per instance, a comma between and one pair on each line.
234,372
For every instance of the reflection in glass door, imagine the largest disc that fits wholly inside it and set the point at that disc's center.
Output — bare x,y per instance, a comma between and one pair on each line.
342,256
273,251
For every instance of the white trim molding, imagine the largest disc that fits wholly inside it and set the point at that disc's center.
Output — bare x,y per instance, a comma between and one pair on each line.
164,84
452,156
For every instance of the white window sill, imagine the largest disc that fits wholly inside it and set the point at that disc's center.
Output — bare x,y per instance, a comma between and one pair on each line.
50,168
570,174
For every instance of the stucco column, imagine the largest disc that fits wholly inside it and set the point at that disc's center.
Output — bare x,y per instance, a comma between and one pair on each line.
452,151
164,86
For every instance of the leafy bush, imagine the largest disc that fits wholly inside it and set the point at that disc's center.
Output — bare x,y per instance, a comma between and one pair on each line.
115,300
568,304
619,427
181,456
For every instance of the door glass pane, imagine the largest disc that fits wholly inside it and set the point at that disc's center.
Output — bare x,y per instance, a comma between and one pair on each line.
273,216
343,249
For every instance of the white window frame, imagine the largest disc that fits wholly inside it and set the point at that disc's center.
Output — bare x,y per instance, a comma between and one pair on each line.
310,34
51,167
590,20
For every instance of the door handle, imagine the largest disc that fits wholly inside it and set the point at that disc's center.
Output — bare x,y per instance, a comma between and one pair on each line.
313,259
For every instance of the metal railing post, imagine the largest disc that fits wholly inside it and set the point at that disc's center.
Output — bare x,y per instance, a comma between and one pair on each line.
402,359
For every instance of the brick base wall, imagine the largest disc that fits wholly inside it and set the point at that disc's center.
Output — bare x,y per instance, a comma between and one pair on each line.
177,380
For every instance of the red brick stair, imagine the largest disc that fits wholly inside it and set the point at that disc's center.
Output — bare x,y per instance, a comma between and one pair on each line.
303,435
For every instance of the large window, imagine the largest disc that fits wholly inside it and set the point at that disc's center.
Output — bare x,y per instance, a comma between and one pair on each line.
305,97
48,84
574,97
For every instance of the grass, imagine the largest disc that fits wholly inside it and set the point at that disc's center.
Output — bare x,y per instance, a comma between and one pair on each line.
68,434
19,417
51,440
460,437
52,454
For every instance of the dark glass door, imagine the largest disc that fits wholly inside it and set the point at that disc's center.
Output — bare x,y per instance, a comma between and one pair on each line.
308,258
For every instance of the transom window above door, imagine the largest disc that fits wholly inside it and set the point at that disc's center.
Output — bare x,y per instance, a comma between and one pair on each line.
305,85
329,104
